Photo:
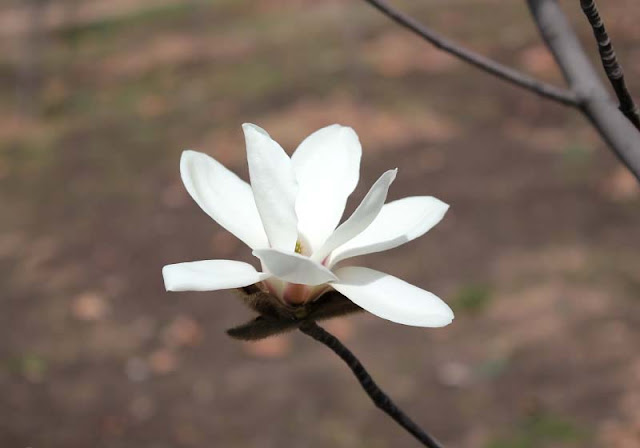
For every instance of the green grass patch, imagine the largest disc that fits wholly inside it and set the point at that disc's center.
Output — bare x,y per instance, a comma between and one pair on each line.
31,366
108,27
577,160
472,298
492,368
541,430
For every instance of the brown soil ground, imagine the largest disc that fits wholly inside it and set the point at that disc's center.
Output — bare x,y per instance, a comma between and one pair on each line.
539,255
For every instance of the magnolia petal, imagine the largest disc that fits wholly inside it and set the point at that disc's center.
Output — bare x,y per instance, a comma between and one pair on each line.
294,267
398,222
327,168
223,196
274,187
361,217
210,275
391,298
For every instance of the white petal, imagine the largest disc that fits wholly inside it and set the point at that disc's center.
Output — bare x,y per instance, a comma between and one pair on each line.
274,187
210,275
293,267
391,298
223,196
398,222
327,168
361,217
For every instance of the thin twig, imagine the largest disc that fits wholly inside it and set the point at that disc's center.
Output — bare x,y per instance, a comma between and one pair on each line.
610,63
380,399
482,62
581,76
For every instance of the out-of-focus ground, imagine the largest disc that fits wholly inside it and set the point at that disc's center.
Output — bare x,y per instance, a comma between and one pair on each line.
539,254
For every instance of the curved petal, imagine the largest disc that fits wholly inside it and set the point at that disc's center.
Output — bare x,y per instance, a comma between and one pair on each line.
274,187
361,217
391,298
327,168
223,196
398,222
210,275
293,267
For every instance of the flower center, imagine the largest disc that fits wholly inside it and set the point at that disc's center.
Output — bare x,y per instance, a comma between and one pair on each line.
303,246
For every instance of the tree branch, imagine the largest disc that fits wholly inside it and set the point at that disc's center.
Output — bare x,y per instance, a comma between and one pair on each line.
488,65
594,99
380,399
610,63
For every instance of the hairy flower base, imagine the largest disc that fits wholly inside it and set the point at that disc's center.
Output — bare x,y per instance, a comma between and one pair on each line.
275,317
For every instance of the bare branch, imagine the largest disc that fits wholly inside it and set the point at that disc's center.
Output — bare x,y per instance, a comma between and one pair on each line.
594,99
482,62
376,394
610,63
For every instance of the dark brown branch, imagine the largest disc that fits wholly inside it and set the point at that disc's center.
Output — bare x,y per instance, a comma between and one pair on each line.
594,99
380,399
488,65
610,63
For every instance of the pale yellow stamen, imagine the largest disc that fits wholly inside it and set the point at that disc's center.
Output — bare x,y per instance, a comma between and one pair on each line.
298,247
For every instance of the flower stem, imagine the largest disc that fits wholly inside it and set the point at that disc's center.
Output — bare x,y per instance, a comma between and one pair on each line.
380,399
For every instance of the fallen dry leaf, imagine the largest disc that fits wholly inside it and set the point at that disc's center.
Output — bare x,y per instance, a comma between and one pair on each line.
397,53
163,361
271,348
538,60
89,306
340,327
621,185
183,331
152,106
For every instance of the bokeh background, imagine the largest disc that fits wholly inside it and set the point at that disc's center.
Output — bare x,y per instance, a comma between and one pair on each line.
539,254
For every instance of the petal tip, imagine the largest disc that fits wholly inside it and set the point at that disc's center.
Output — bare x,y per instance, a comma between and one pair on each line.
187,154
252,129
446,318
441,208
166,278
346,129
443,323
438,320
440,203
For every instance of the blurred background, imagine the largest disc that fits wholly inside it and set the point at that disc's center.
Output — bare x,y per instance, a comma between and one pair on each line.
539,254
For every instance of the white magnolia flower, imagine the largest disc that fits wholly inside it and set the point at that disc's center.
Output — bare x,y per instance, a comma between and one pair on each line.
289,216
